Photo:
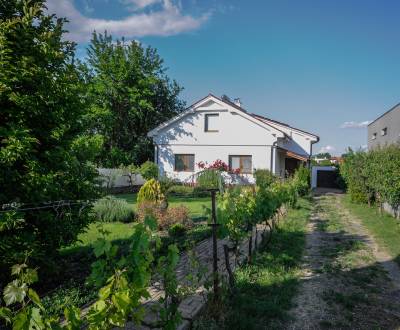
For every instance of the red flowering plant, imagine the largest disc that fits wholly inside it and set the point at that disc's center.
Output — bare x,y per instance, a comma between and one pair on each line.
218,165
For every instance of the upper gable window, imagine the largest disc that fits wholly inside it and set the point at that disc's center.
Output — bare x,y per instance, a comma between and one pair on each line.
384,131
211,121
373,136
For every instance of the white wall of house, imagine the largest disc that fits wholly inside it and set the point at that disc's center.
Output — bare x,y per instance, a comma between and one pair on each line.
239,134
261,157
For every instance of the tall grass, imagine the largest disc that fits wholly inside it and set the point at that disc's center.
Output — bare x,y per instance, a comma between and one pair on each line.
111,209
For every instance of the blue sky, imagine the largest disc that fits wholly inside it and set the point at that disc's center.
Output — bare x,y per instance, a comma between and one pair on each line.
317,65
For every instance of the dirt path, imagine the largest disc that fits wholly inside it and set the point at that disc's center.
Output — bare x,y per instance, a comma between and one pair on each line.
347,282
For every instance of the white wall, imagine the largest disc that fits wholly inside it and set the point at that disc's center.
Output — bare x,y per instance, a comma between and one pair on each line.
261,157
114,178
234,130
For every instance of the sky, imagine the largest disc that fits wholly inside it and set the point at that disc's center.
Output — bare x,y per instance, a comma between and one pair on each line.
328,67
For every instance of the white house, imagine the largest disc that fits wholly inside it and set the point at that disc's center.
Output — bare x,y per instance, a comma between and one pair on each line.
217,128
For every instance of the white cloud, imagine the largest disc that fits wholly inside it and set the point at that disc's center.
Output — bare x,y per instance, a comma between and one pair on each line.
327,148
138,4
354,124
168,20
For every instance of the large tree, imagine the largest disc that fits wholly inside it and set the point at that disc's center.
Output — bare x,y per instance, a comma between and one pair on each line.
44,154
130,94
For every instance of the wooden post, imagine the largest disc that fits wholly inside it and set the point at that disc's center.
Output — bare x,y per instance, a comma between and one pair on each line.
214,226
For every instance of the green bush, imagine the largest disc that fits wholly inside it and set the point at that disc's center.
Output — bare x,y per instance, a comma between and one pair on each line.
181,190
111,209
210,178
374,175
301,180
150,192
149,170
177,230
264,178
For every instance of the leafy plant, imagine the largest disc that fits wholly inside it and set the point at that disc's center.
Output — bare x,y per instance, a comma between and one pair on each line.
150,192
149,170
210,179
177,230
111,209
45,151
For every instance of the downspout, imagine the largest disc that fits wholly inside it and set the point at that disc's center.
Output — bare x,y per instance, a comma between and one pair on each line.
272,156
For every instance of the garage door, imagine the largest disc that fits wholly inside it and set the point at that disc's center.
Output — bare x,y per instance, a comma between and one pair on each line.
327,179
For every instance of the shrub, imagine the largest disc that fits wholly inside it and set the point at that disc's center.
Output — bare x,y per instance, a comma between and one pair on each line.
110,209
181,190
149,170
177,230
264,178
199,191
301,180
151,192
174,215
210,178
165,217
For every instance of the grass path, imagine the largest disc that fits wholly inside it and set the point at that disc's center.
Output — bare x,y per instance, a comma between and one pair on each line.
348,282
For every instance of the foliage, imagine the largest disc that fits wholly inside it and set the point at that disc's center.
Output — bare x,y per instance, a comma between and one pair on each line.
210,179
177,230
264,178
237,209
174,215
111,209
181,190
301,180
130,94
373,175
149,170
150,192
45,153
165,217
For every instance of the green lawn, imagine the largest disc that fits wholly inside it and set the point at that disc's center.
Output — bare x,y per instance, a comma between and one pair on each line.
195,204
122,231
384,228
265,289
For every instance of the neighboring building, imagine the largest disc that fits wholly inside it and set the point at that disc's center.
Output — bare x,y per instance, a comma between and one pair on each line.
385,129
216,128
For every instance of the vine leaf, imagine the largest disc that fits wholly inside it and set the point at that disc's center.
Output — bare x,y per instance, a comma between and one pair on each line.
14,292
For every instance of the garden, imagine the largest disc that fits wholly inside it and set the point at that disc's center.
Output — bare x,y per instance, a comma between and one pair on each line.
110,268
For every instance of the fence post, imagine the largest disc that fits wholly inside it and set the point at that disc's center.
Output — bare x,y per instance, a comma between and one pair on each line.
214,226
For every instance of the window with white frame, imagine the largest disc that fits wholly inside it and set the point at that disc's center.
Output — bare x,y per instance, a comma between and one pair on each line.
373,137
384,131
211,121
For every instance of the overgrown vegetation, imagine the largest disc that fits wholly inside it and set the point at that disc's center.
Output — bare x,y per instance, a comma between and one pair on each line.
111,209
265,288
373,176
45,153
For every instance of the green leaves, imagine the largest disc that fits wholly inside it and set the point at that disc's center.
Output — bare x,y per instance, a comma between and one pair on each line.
15,292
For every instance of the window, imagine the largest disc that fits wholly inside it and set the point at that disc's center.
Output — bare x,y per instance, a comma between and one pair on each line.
243,163
184,163
211,122
384,131
373,136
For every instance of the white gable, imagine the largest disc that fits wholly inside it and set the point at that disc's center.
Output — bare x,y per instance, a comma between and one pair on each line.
236,127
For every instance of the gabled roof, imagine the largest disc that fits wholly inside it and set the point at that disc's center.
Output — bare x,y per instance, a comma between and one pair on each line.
268,120
265,121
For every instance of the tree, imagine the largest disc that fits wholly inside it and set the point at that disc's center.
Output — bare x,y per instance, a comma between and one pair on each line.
130,95
44,155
